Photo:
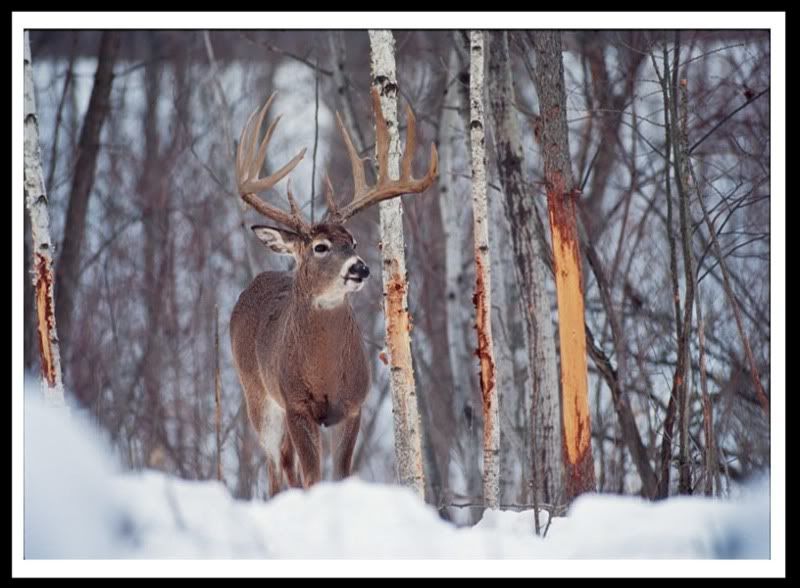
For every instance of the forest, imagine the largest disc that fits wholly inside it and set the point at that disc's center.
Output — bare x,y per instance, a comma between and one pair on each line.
581,252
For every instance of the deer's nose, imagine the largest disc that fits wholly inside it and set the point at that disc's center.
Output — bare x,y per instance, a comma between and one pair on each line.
359,269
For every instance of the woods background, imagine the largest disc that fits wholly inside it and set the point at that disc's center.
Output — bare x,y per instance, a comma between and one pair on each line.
138,135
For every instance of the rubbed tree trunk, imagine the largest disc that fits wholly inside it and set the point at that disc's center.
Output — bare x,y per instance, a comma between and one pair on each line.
408,447
483,281
531,270
561,196
36,201
82,181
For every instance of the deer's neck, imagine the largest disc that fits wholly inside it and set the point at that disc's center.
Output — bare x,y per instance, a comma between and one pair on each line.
308,312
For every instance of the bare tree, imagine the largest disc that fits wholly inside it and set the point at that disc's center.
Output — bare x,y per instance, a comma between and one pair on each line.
67,270
36,200
561,197
483,281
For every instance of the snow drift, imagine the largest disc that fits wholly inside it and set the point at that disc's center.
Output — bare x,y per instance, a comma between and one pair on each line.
78,504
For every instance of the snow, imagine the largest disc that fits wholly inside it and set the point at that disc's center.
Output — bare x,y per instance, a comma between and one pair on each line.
79,504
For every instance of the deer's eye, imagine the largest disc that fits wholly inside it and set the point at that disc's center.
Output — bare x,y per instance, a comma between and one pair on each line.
321,248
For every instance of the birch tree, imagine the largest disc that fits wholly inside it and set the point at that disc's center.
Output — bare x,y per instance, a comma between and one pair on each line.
483,281
561,205
530,266
36,202
408,447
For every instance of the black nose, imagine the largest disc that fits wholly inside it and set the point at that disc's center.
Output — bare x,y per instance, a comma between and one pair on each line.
359,269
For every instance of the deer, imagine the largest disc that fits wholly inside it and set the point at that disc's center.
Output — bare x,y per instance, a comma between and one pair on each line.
296,346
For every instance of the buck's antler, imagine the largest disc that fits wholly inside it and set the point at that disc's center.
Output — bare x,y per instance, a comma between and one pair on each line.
365,196
248,166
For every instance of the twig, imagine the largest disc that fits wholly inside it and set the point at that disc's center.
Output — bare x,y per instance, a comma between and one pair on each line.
726,119
279,51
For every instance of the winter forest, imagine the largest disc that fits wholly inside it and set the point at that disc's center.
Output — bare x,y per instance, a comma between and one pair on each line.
525,293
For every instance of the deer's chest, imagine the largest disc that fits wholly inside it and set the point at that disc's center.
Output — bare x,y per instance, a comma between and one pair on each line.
330,372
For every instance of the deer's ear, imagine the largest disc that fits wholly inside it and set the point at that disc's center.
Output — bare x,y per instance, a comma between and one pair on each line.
278,240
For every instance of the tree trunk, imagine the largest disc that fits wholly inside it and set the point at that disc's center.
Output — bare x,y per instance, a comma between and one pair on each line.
88,149
531,270
459,318
682,158
408,446
483,280
561,196
36,201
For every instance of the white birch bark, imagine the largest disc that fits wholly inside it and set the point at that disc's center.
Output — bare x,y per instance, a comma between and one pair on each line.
534,299
408,447
483,280
36,201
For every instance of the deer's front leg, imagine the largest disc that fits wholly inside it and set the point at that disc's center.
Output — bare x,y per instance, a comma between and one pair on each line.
345,442
306,440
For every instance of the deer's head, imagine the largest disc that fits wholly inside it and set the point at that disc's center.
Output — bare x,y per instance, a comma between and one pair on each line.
328,267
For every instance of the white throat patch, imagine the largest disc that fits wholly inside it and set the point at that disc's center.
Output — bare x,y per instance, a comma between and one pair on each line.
335,294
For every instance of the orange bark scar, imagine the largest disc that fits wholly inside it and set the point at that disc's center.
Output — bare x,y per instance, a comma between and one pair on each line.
43,283
569,290
484,350
398,325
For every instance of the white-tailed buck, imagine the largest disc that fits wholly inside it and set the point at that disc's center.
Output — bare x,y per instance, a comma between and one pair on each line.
296,345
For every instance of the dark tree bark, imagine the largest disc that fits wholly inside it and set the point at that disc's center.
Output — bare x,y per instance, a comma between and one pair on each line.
530,268
88,149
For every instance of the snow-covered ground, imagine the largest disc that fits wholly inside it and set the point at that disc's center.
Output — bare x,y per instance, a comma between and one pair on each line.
79,505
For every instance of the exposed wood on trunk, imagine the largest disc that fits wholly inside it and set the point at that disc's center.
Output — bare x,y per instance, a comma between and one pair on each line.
408,445
36,202
482,298
561,204
531,269
88,149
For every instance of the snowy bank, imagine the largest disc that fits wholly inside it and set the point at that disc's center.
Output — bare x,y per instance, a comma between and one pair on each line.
79,505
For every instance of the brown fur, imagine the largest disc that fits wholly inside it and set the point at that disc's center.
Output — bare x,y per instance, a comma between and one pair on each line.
308,361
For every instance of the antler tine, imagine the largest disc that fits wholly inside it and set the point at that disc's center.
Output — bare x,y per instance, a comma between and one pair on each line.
385,188
357,163
329,197
411,144
248,165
